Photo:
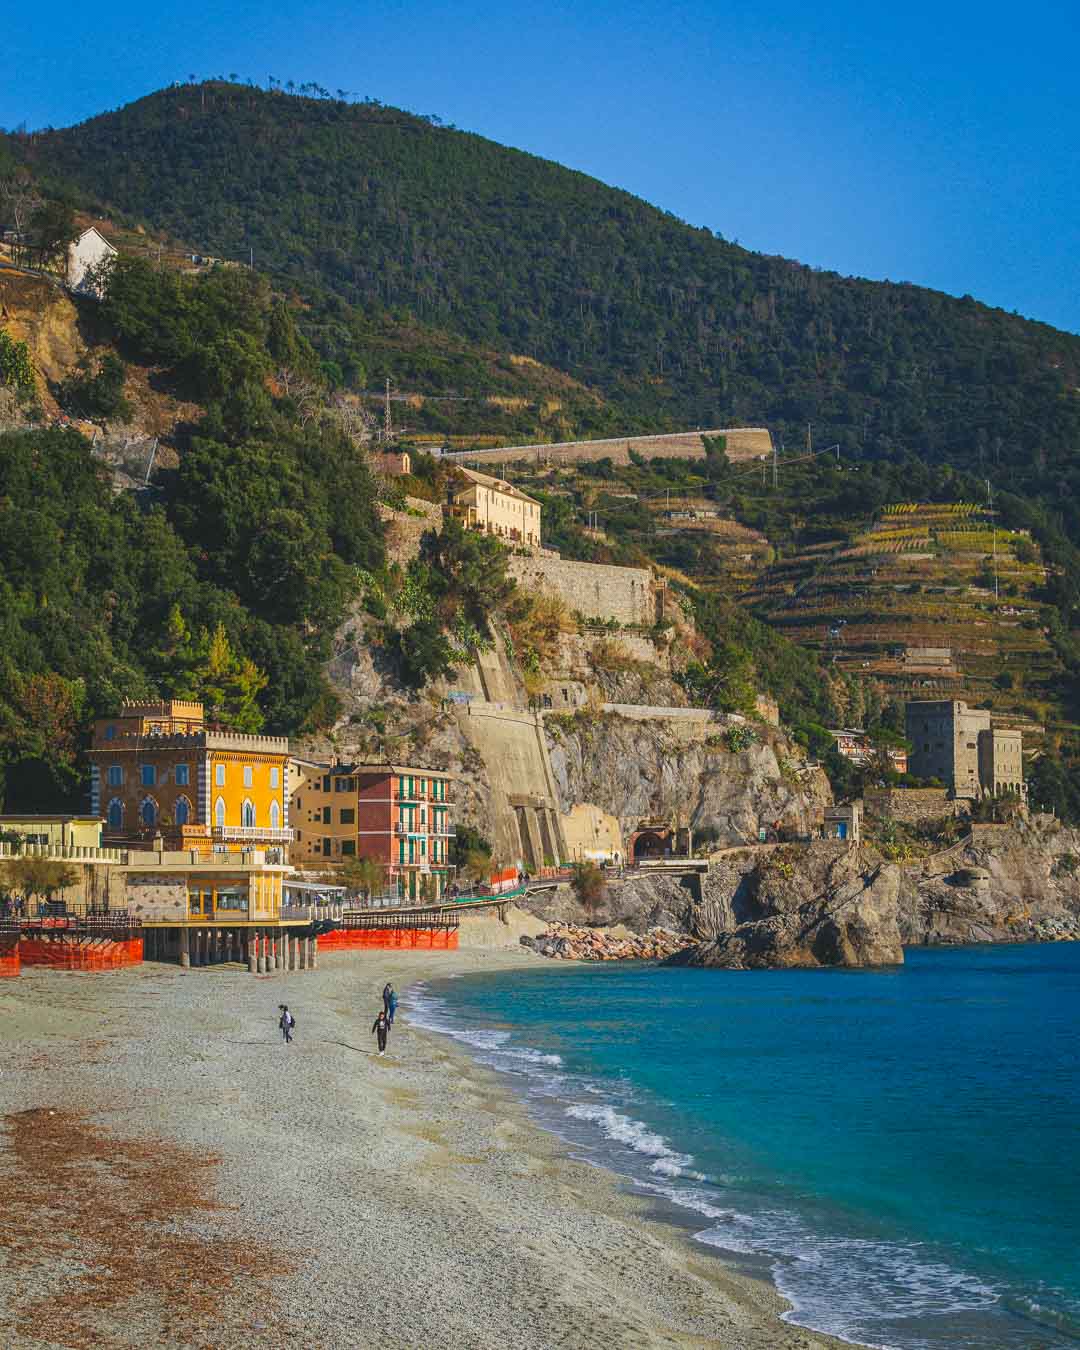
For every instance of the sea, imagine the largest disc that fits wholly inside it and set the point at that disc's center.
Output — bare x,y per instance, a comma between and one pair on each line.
898,1149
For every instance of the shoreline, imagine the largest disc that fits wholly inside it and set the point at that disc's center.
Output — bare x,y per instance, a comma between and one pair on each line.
202,1183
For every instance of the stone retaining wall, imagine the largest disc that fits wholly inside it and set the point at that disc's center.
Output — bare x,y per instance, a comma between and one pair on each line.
629,595
912,805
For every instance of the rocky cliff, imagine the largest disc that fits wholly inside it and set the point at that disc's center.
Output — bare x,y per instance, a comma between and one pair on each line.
814,905
1016,883
692,773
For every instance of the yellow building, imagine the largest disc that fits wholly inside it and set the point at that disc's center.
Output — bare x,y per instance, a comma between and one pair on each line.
158,770
495,507
62,833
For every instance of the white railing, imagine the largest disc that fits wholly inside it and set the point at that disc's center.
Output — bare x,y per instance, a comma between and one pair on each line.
64,853
253,832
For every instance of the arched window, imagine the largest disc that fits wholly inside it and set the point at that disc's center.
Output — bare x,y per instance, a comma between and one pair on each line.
219,813
183,810
148,812
248,814
275,815
116,814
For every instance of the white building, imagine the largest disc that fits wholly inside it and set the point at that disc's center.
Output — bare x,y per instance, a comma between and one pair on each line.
90,250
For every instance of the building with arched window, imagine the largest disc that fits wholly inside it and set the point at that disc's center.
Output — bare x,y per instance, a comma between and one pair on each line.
160,770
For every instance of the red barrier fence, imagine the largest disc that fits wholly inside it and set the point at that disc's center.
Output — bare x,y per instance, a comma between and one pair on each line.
9,958
64,953
353,939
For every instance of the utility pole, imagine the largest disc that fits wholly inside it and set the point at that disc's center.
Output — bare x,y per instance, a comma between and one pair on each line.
809,439
775,468
251,258
387,428
993,526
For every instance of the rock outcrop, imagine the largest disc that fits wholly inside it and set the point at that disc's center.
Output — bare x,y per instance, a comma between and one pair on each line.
1015,883
815,905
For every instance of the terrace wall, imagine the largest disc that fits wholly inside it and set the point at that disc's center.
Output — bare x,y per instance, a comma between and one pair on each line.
911,806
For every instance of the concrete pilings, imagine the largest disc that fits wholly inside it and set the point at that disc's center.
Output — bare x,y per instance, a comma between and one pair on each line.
260,947
252,951
185,948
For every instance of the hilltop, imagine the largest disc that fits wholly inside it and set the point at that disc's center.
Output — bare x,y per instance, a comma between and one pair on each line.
383,210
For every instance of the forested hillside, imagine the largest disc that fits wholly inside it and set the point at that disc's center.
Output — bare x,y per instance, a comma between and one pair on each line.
388,211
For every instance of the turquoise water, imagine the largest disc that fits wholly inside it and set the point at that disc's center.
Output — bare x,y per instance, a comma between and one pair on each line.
900,1147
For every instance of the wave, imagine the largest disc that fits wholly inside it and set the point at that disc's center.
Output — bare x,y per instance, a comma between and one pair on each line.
635,1135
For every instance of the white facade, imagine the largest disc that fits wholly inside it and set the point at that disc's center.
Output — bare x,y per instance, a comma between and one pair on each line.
88,251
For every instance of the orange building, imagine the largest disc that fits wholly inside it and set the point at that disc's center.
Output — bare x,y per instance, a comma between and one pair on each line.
158,769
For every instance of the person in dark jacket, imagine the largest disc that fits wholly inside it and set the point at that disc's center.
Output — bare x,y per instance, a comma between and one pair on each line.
286,1022
381,1028
389,1000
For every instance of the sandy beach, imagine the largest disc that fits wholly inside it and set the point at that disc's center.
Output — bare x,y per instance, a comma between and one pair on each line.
172,1174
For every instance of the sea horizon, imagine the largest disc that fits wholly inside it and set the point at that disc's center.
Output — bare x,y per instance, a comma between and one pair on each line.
884,1145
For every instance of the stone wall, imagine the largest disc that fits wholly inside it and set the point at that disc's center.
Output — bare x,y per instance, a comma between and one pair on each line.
629,595
403,530
152,896
912,805
742,443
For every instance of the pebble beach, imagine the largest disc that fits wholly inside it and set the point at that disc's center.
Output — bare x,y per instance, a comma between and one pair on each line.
171,1173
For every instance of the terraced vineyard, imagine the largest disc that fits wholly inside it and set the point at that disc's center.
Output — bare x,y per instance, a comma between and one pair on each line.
924,576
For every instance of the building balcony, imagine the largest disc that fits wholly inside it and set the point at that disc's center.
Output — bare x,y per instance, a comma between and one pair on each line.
252,833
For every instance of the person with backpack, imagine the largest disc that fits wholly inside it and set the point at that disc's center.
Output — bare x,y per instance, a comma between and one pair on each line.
381,1028
286,1022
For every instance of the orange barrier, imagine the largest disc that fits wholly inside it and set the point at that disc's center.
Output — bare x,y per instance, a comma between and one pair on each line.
9,959
61,953
352,939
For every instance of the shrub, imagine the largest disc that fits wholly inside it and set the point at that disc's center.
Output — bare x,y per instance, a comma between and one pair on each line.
587,883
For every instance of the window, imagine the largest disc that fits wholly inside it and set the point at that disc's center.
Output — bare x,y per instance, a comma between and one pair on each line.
248,774
348,815
219,812
326,783
326,815
341,785
219,775
326,847
183,810
110,732
183,775
275,815
275,776
148,812
298,803
247,814
348,848
116,814
147,775
116,775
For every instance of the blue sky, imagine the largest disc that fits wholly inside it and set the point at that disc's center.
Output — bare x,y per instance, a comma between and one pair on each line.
933,143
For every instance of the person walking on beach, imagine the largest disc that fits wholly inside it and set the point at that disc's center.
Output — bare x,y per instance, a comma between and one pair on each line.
391,1007
286,1022
387,995
381,1028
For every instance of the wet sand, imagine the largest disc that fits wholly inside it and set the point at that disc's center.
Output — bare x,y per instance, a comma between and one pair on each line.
171,1173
